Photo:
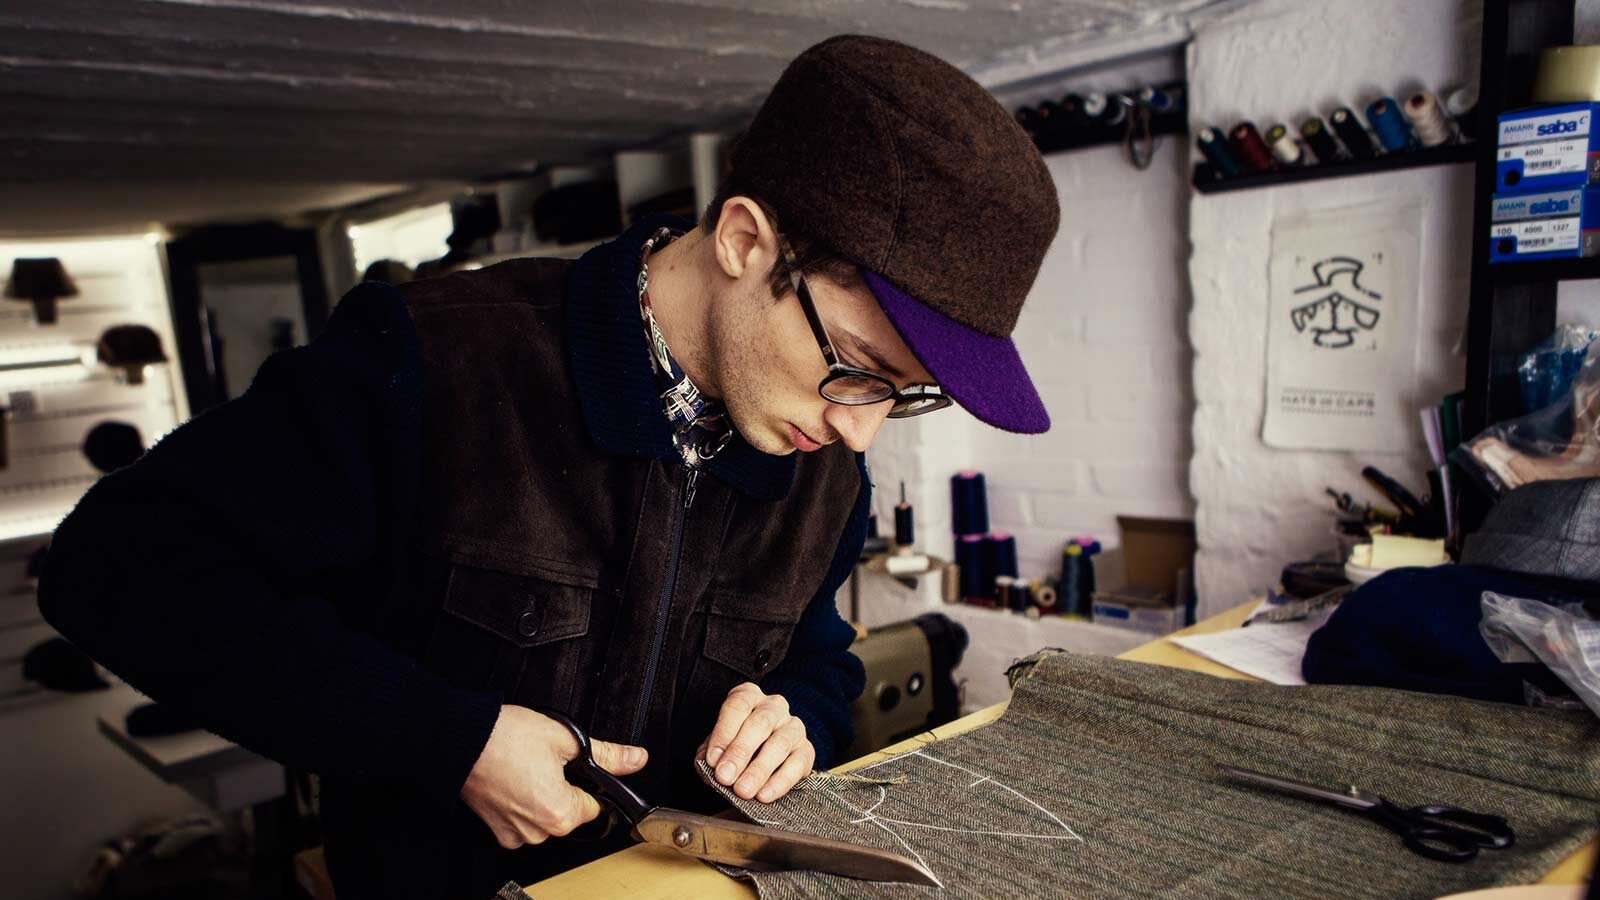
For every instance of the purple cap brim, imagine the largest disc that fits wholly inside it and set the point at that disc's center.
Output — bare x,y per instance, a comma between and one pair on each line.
981,372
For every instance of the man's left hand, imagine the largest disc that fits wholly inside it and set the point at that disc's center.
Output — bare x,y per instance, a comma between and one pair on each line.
757,747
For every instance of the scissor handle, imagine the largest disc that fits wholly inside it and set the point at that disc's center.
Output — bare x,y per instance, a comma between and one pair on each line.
585,773
1445,833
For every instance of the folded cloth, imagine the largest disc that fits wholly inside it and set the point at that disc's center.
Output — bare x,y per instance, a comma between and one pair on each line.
1545,528
1417,629
1103,779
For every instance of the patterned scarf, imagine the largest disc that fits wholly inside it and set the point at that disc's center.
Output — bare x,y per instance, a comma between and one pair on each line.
700,425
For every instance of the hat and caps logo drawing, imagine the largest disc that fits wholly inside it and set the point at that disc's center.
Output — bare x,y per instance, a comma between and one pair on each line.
1339,307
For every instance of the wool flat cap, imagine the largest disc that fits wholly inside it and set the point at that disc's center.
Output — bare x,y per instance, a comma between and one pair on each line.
906,166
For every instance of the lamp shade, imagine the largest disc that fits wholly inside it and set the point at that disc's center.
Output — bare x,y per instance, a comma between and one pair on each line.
40,281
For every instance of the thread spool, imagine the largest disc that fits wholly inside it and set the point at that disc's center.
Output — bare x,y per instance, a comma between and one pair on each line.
1004,550
1215,150
1086,582
1427,119
1070,599
1072,107
969,559
1355,138
1158,100
1249,149
1285,149
1094,105
1029,119
969,504
1013,593
1045,597
904,530
1117,106
1462,105
950,583
1390,125
1322,143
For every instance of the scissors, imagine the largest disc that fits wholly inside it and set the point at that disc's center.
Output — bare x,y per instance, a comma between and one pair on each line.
747,846
1444,833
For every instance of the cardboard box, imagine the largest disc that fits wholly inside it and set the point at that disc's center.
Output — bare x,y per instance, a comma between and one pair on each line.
1550,225
1547,147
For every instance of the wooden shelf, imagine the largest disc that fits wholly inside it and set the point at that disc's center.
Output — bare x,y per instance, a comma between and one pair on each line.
1206,182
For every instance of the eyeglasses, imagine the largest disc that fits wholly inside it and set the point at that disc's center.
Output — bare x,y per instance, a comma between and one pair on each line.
850,386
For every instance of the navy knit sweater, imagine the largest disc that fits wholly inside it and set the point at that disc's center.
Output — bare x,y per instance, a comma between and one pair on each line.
228,572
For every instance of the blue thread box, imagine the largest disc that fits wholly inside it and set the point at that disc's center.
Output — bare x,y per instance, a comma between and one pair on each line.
1547,147
1550,225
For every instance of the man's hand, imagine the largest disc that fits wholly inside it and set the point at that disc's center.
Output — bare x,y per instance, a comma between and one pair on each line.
517,786
756,746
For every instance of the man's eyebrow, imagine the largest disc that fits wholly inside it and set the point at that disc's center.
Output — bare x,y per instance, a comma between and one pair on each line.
874,355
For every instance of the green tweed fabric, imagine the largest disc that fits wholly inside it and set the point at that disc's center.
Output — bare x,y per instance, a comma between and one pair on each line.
1102,780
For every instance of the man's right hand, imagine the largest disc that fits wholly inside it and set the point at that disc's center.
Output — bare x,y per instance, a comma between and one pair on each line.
518,788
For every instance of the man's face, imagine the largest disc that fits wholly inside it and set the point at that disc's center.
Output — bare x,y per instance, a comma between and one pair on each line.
769,364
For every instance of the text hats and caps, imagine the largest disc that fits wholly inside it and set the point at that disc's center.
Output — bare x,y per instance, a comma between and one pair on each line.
904,165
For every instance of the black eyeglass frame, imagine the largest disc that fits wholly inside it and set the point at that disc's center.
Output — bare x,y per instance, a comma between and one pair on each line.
913,400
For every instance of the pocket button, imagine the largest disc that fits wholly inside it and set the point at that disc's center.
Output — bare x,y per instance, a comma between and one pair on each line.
763,656
528,624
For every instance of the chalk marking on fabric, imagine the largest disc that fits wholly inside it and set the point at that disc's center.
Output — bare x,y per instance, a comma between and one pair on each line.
873,819
883,794
1001,784
978,782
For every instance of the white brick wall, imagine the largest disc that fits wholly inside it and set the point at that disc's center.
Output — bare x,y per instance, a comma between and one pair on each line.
1104,336
1277,60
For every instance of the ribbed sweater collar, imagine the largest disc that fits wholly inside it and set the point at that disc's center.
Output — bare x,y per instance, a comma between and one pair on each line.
611,366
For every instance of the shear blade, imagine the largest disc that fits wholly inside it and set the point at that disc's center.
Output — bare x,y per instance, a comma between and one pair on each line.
764,848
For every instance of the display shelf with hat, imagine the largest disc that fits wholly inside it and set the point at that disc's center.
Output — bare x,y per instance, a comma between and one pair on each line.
41,281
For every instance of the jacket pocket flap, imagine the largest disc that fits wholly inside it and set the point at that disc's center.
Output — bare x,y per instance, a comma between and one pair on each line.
522,609
751,647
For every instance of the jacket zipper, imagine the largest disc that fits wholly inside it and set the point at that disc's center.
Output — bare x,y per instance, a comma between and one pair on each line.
653,660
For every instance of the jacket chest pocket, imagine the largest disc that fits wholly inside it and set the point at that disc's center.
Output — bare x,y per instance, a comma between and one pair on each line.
524,636
742,642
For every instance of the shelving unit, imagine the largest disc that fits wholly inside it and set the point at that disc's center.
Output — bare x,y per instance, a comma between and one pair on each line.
1513,305
1205,179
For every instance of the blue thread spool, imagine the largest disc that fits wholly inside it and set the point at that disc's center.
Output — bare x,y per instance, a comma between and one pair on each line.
969,503
1086,583
969,549
1069,596
1390,125
1005,553
1215,149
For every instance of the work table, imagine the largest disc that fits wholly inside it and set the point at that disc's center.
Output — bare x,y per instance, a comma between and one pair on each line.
642,871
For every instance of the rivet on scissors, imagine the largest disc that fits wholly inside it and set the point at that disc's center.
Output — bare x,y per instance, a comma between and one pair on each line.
681,836
1354,791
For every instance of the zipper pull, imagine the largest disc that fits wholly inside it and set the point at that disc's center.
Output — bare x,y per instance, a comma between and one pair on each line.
688,488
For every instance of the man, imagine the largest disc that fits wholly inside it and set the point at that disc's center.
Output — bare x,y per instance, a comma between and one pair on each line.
574,486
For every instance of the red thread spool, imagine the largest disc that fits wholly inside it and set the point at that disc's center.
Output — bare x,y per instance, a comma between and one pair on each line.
1250,148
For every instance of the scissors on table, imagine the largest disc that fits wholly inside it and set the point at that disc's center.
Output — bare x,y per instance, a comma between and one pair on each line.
758,847
1444,833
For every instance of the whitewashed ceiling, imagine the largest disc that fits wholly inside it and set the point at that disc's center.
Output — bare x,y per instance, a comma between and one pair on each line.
121,111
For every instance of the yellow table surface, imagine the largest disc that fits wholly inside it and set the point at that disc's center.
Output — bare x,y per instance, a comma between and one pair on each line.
645,871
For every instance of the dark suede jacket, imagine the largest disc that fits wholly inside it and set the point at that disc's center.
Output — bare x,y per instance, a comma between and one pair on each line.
463,494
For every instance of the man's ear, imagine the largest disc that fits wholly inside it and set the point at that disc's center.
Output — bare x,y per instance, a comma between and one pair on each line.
744,241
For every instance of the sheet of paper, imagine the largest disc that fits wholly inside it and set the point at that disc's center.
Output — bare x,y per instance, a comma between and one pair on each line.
1269,651
1341,340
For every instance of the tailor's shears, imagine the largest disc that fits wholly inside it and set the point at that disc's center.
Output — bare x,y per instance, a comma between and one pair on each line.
1444,833
740,844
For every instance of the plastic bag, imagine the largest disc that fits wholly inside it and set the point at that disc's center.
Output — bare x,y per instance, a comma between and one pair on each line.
1562,636
1560,441
1547,371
